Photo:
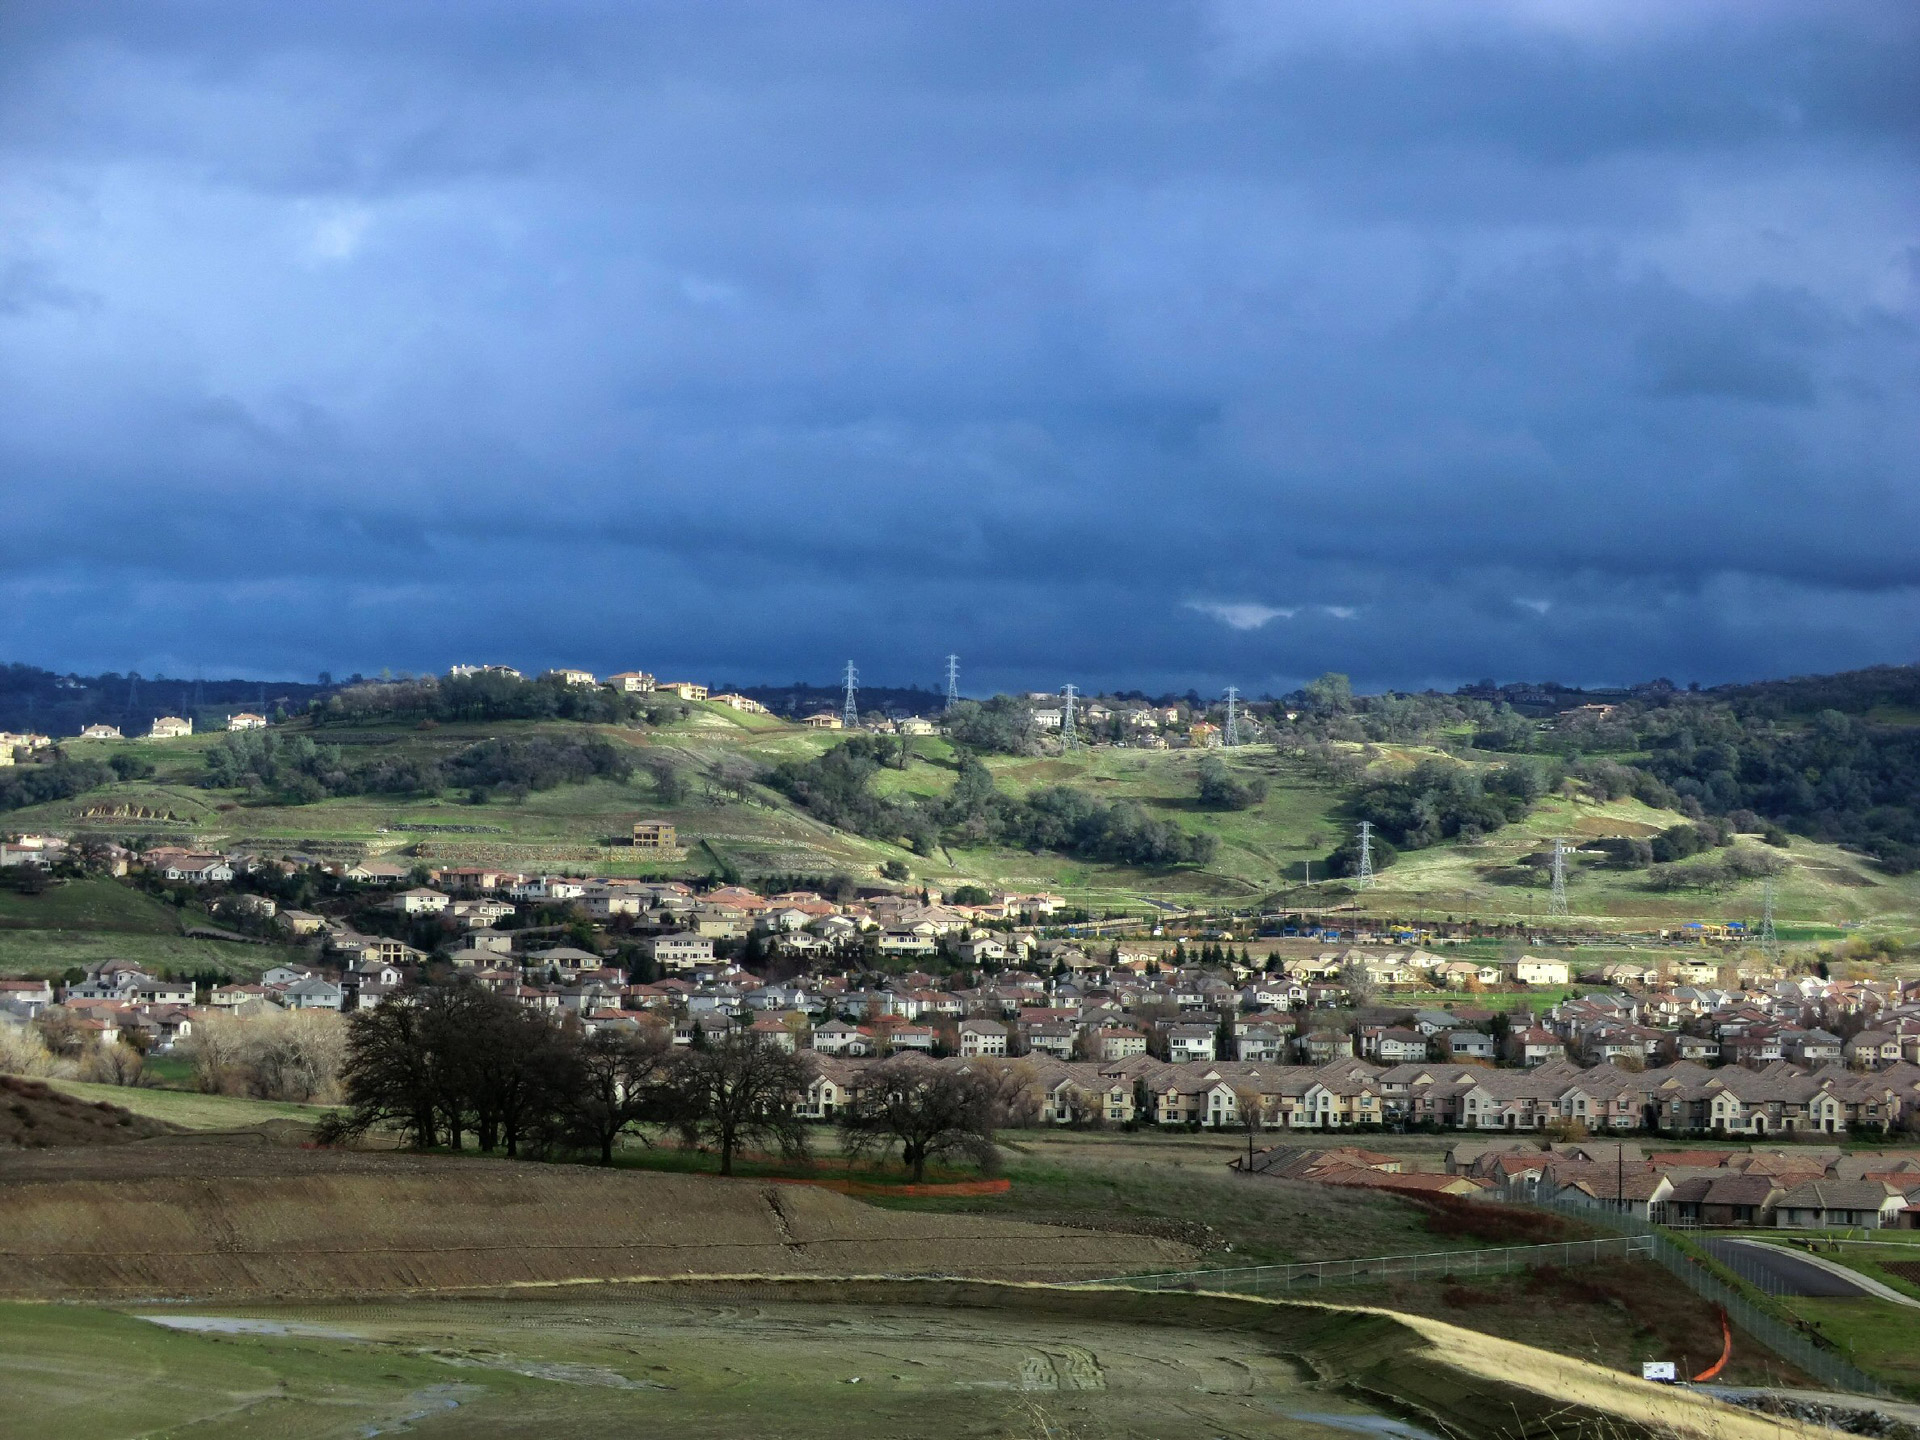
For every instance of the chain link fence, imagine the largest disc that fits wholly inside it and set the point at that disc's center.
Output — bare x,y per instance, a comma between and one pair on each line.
1638,1239
1780,1335
1316,1274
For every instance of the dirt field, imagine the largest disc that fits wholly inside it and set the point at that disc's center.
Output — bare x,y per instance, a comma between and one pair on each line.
223,1220
34,1115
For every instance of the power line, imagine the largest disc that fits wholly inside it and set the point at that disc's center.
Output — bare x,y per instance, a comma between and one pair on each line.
1069,735
1557,902
850,716
1232,737
1366,854
953,681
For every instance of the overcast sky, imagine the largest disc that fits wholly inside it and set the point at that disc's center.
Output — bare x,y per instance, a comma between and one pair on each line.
1157,345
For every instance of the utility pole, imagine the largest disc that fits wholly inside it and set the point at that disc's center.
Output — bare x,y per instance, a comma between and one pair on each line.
1366,854
1069,736
1232,736
850,715
1557,902
953,681
1769,938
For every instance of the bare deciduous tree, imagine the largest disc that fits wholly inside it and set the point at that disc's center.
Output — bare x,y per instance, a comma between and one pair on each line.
738,1090
619,1083
926,1111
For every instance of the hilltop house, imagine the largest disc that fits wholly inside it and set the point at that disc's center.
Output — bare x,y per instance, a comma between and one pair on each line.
654,835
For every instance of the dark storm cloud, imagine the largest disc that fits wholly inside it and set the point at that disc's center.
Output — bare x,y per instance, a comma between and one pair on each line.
1160,345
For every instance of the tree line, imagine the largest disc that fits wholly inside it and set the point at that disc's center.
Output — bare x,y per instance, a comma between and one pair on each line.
296,770
457,1063
489,696
837,787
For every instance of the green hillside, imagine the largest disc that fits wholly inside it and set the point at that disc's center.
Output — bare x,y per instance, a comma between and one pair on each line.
730,819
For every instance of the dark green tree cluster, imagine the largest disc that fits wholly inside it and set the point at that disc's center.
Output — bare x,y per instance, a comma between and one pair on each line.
1832,776
1119,832
1000,726
24,785
488,696
1222,789
837,788
1438,801
294,769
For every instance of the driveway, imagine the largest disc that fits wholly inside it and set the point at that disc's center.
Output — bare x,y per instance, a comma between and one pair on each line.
1780,1271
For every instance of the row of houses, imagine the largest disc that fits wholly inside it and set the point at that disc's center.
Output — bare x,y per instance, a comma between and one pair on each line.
1807,1020
1808,1187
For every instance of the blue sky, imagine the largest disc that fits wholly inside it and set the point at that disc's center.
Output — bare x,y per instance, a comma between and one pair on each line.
1167,345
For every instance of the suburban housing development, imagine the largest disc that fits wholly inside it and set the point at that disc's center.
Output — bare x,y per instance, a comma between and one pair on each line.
1307,1037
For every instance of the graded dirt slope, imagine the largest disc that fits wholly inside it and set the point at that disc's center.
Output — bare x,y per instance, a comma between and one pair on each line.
167,1220
34,1115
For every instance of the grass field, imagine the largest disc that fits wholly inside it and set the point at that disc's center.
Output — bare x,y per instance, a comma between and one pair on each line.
88,905
1879,1336
77,923
51,952
191,1111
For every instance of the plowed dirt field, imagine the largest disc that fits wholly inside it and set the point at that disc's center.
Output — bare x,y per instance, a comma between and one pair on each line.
217,1221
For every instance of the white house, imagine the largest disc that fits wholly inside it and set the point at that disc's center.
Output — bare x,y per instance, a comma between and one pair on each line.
421,901
982,1037
1531,970
679,950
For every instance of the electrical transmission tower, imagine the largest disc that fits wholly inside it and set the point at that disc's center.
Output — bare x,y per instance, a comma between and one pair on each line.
953,681
1366,854
1069,734
1557,902
850,716
1232,736
1769,938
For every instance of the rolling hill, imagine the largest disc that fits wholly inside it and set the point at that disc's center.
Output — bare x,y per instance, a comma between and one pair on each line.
745,827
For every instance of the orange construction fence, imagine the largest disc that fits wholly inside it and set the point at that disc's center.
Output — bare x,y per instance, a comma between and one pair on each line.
863,1187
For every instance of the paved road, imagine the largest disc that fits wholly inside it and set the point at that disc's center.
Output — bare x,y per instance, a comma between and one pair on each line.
1783,1272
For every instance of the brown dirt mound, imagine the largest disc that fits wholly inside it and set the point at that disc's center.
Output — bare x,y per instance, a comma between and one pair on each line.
166,1220
33,1115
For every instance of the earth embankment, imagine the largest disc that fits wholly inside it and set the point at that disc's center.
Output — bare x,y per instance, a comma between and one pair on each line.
34,1115
208,1222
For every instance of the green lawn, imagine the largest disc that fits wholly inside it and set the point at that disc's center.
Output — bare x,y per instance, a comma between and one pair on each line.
191,1111
1879,1336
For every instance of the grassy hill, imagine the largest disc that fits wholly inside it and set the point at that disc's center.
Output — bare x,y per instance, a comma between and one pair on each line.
1262,856
77,923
